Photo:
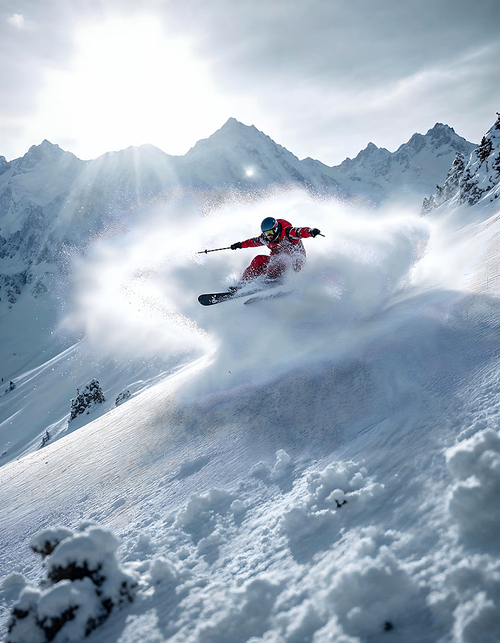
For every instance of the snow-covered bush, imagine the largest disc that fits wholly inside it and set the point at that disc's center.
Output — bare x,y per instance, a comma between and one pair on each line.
86,399
123,397
47,540
85,584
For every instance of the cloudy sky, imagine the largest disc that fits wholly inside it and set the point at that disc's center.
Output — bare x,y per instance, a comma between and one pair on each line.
321,77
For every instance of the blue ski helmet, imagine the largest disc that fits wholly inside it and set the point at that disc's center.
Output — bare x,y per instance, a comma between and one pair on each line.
269,227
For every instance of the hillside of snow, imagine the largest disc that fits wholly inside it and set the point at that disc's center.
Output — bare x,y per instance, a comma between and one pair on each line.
318,468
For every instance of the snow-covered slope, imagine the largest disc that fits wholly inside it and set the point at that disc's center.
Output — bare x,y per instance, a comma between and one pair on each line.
326,471
317,468
471,180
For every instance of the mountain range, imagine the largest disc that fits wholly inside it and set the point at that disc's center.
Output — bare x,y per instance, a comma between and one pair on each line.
51,202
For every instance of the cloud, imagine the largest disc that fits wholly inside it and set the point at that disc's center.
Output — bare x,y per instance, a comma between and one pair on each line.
321,77
331,76
330,39
17,20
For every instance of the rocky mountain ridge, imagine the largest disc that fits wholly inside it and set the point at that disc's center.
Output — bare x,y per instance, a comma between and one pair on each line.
471,180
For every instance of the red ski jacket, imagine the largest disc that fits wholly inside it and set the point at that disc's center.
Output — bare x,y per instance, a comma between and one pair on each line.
288,239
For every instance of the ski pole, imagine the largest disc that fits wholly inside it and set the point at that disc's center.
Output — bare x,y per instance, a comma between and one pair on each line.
204,252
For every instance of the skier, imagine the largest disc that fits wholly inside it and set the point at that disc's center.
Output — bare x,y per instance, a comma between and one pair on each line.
287,250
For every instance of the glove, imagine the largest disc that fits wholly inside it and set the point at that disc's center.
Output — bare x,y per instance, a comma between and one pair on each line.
238,245
314,232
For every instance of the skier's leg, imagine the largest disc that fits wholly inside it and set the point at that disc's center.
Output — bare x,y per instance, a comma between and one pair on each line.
277,267
299,261
257,268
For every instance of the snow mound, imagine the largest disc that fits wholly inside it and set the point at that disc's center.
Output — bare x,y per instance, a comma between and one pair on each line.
475,465
317,522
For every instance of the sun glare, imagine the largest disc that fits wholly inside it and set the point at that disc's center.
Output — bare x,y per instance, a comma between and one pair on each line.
130,84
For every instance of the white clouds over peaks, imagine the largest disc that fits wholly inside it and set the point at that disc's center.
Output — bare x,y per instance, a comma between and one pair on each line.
309,74
17,20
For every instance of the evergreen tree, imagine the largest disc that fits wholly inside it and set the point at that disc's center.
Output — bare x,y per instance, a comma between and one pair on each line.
485,148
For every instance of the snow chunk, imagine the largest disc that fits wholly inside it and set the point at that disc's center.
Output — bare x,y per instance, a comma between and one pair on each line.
247,614
475,464
371,593
316,523
199,519
12,580
47,540
283,466
162,571
340,484
281,473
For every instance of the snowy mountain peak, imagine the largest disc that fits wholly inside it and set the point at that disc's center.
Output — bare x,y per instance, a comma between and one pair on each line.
234,126
231,135
4,164
371,151
439,130
45,150
405,173
240,157
472,181
416,143
440,138
44,154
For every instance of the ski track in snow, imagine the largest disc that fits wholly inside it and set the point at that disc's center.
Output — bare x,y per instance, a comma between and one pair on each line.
328,470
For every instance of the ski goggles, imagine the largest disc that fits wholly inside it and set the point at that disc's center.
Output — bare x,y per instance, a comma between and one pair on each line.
269,233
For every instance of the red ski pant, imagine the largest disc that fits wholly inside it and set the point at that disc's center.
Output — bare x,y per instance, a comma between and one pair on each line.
273,266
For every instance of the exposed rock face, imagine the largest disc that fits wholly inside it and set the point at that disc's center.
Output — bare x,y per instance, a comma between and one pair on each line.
474,180
123,397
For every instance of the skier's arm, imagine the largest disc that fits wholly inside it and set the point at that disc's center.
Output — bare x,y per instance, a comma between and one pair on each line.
249,243
302,233
253,243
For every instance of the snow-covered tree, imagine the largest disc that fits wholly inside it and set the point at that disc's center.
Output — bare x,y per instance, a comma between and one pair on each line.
86,399
85,585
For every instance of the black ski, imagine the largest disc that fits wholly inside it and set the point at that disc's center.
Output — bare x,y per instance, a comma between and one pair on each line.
274,295
209,299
